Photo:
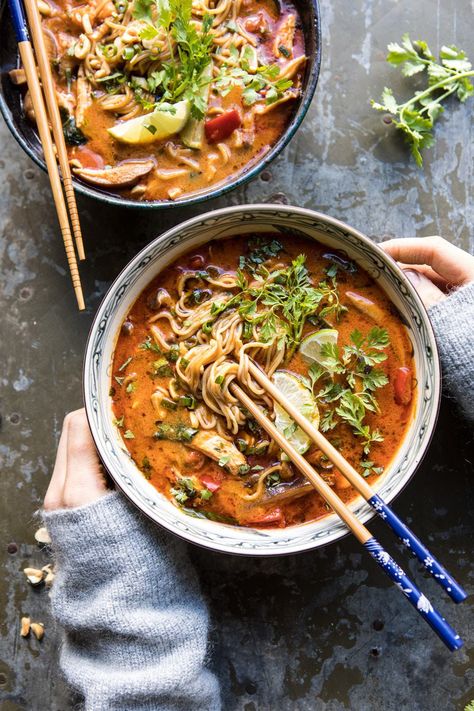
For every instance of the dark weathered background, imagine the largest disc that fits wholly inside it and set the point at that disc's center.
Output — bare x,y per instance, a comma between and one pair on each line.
324,630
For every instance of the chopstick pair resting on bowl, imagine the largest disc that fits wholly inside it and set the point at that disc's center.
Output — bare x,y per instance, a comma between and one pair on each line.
48,113
419,601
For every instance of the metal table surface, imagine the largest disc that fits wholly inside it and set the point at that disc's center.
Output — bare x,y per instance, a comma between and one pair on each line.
319,631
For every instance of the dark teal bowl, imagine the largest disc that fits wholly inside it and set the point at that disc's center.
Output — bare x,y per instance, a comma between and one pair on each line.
12,110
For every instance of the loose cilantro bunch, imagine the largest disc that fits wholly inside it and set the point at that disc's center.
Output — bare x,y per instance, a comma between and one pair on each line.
416,117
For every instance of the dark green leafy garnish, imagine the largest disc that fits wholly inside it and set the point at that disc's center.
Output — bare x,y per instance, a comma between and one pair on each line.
72,134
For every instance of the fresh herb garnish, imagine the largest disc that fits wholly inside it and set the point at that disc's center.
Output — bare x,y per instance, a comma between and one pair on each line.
369,468
416,116
175,433
149,345
118,421
128,434
182,76
349,381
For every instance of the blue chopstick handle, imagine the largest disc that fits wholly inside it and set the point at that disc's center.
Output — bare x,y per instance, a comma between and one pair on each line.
19,20
414,544
421,603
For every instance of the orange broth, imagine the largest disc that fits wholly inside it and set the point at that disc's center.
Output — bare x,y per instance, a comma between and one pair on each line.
136,415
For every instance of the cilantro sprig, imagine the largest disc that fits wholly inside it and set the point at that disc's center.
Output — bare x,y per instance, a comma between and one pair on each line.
182,76
450,75
347,382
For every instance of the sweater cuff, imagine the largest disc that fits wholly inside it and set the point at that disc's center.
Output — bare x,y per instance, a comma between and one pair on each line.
108,524
447,311
452,320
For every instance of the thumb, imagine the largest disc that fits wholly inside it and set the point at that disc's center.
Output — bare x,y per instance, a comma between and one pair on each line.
427,291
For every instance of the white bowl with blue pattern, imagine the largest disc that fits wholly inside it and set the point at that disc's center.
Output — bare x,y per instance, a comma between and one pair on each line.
279,219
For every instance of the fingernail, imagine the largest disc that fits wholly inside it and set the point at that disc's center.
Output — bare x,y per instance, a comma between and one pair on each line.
413,276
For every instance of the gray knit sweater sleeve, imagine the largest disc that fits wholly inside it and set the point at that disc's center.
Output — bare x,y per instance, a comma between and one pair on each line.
453,323
135,622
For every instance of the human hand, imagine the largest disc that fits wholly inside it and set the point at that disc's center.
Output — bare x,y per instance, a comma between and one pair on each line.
433,265
77,477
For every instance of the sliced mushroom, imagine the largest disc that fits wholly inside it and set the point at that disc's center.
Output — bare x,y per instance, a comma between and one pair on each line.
51,43
286,491
122,176
17,76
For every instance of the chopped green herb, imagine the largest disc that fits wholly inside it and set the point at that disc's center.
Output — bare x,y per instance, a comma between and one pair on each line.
119,380
187,401
223,461
169,404
128,434
162,368
131,387
244,469
205,494
175,433
149,345
220,380
173,354
118,421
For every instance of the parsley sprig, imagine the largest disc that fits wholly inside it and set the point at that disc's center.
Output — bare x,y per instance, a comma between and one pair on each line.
416,116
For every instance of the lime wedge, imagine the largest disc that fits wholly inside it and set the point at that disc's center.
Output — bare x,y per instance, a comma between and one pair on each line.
310,347
165,121
298,394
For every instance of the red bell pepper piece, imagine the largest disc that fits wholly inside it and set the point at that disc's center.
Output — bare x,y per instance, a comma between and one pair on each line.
221,127
275,516
88,158
210,483
402,386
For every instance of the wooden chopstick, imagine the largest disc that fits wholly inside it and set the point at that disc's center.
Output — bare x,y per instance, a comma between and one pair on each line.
41,52
406,536
29,65
384,560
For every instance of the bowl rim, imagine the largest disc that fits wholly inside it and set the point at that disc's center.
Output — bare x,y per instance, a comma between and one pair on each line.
209,194
364,517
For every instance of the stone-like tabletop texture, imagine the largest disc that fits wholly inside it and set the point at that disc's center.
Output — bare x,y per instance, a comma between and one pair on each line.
322,631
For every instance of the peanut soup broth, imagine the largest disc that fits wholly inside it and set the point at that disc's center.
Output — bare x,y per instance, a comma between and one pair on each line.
315,322
164,98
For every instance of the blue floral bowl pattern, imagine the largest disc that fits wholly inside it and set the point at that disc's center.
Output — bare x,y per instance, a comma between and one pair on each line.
165,249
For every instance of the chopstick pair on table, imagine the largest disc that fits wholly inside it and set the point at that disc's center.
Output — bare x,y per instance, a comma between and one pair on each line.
45,115
363,535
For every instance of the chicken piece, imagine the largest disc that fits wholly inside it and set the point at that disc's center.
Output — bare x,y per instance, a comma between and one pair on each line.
83,94
17,76
283,44
216,447
123,175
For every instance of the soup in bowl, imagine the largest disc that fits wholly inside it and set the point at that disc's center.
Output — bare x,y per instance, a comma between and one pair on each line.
172,101
323,311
